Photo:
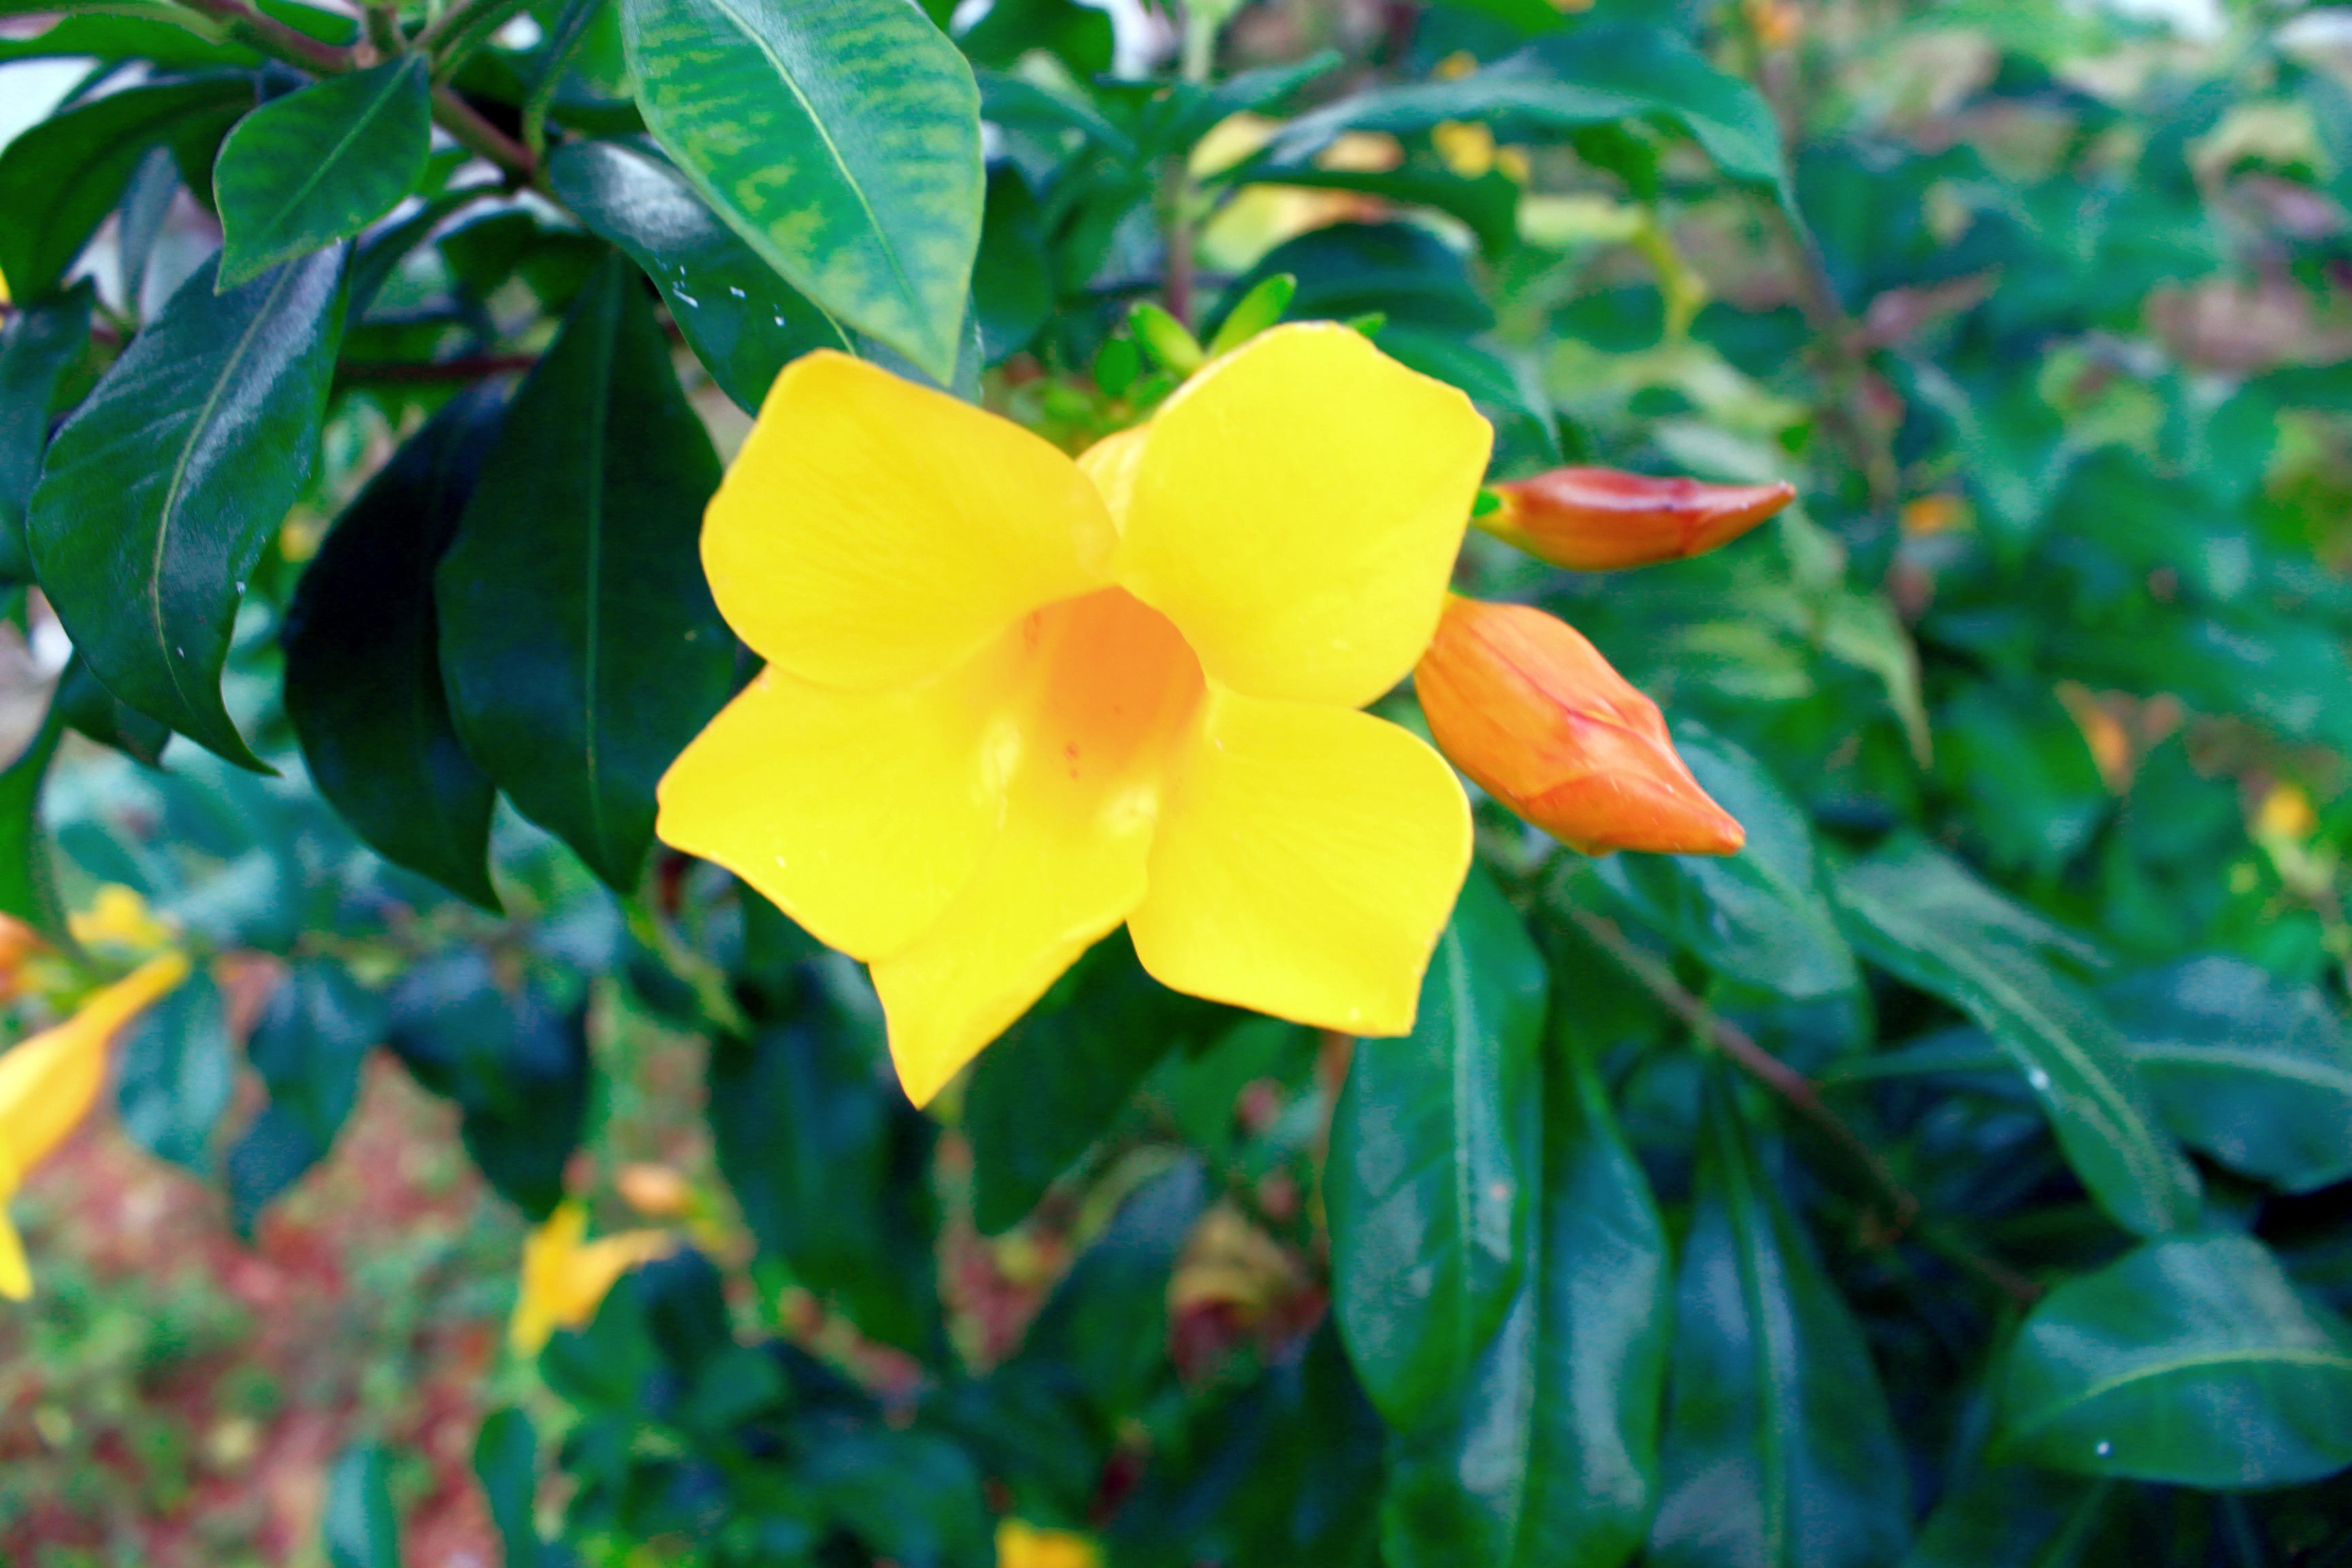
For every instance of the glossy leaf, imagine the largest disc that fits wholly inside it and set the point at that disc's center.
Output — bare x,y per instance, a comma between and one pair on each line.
1777,1451
579,641
1397,270
1433,1164
61,178
2012,1515
1105,1328
1761,916
161,492
174,1075
2192,1360
826,1159
320,164
1043,1092
363,683
1594,76
741,320
39,344
2253,1072
840,139
1923,917
1547,1454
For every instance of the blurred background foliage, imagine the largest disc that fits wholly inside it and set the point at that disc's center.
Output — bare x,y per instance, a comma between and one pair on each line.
1961,1175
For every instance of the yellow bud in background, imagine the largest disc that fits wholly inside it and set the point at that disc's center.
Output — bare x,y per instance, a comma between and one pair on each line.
1526,707
656,1192
565,1277
1020,1544
119,920
1603,519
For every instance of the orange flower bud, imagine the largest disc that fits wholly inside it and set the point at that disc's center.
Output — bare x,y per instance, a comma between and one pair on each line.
1528,707
1601,520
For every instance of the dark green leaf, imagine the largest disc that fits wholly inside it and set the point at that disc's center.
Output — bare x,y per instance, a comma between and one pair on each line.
506,1462
578,638
1043,1093
2011,1516
1490,204
1761,916
1080,37
1777,1450
163,490
1012,280
41,342
1547,1454
1921,915
320,164
1396,269
2192,1361
1106,1327
1526,437
175,1073
516,1065
357,1522
841,139
59,179
829,1163
1593,76
363,684
742,321
309,1046
1432,1164
29,886
2254,1072
93,711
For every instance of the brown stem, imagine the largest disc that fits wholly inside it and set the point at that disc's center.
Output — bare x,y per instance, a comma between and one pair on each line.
1799,1093
479,136
272,36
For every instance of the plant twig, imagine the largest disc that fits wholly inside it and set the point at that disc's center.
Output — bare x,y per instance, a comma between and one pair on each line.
274,37
474,367
1800,1093
479,137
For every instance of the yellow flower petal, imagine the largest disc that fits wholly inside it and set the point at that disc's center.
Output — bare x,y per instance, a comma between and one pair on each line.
48,1082
16,1276
859,814
565,1280
1296,509
1305,862
1020,1544
1110,689
873,532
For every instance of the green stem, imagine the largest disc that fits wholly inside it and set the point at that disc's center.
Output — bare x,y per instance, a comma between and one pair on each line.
705,979
274,37
479,136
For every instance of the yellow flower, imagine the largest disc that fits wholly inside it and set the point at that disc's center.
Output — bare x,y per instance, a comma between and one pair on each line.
1020,1544
119,920
49,1083
1012,701
565,1277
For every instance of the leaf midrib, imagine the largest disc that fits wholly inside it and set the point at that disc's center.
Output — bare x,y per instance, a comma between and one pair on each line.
2251,1356
276,226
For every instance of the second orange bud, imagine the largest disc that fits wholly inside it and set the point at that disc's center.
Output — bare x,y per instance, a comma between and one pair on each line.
1526,707
1602,519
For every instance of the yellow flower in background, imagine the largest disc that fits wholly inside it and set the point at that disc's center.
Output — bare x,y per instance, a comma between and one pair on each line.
1013,701
565,1277
48,1084
118,921
1020,1544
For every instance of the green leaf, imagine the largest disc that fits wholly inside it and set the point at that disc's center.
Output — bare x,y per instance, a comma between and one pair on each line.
1432,1165
1349,269
829,1163
1594,74
1762,916
2012,1515
363,686
309,1046
1105,1328
1527,435
161,492
320,164
2192,1361
60,179
2254,1071
357,1523
840,138
1489,205
1779,1451
1044,1092
1079,36
1547,1454
96,713
506,1462
40,345
578,638
1921,915
175,1073
516,1065
742,321
1012,278
29,886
